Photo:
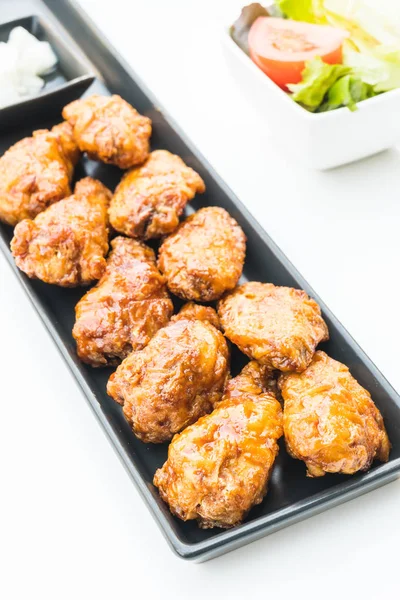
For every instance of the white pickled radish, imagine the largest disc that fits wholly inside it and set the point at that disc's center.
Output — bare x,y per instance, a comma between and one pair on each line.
22,59
29,85
8,94
33,56
8,61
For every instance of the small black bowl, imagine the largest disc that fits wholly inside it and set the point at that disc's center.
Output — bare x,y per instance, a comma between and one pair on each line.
69,79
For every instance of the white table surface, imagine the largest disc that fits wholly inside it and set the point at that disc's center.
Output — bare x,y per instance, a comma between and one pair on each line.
72,525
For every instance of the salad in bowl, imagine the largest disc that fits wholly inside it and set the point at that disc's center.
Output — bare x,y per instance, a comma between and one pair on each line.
324,54
323,75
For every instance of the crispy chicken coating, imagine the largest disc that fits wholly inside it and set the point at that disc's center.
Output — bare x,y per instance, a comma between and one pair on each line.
218,468
204,257
278,326
190,310
174,380
36,172
150,199
126,307
330,421
65,134
66,244
109,129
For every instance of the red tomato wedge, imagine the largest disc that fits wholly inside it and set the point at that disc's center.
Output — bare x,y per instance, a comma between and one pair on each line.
280,47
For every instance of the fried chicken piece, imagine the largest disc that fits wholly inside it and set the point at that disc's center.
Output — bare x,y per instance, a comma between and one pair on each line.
150,199
330,421
126,307
278,326
204,257
174,380
36,172
109,129
190,310
219,468
66,244
65,133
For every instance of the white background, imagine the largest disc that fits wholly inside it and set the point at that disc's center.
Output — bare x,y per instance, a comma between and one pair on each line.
72,524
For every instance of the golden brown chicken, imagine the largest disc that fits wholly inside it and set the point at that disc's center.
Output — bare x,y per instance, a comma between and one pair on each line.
150,199
125,309
174,380
218,468
66,244
65,134
109,129
330,421
278,326
204,257
36,172
190,310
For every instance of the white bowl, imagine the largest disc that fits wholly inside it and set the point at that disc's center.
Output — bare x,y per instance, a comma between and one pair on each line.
317,140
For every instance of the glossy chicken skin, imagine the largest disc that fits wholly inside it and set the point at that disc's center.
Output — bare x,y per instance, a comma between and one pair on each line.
278,326
204,257
190,310
36,172
174,380
150,199
126,307
109,129
330,421
218,468
66,244
65,134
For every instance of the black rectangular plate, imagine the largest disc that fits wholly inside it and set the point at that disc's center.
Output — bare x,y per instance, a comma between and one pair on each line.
291,496
67,81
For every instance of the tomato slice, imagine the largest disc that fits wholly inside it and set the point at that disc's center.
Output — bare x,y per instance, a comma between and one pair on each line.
280,47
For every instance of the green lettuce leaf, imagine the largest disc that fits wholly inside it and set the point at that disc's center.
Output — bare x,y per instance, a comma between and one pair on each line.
318,77
390,57
365,25
311,11
346,91
379,66
326,87
364,65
